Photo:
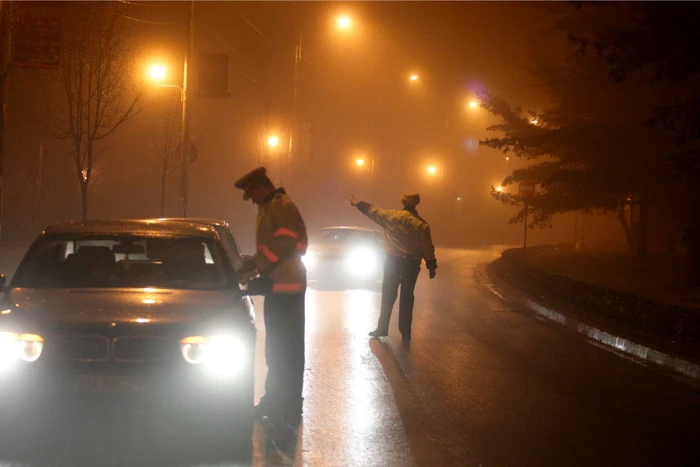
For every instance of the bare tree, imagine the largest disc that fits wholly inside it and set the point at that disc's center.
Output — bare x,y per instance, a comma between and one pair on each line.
94,77
167,143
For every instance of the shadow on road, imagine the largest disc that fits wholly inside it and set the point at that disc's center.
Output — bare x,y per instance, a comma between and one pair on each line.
418,424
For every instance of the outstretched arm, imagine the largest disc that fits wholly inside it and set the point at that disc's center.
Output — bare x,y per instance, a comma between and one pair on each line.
381,217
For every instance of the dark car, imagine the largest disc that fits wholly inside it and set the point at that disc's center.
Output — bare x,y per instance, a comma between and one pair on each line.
345,257
140,317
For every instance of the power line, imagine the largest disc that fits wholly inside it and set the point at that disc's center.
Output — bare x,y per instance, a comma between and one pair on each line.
221,39
255,28
148,21
242,72
233,65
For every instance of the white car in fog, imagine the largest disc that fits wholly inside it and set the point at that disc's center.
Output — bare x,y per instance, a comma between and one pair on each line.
345,257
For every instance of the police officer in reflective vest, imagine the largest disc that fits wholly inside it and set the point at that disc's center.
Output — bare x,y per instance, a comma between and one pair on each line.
281,242
407,241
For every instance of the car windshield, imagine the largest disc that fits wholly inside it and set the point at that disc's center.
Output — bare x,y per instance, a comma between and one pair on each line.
345,236
121,260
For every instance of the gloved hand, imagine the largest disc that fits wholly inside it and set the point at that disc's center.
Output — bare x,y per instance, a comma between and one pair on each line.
432,273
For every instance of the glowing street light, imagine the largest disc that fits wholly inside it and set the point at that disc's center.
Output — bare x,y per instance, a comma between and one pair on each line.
432,170
499,189
360,162
158,72
413,78
273,141
473,104
534,121
344,22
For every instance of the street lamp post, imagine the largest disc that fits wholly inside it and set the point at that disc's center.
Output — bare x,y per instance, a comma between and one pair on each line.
185,140
159,73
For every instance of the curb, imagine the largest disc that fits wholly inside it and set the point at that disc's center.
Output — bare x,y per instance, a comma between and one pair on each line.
647,354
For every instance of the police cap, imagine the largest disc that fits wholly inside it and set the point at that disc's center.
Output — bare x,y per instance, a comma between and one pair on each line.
254,177
411,199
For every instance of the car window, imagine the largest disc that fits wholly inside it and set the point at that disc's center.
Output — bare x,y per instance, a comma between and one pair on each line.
86,261
343,236
231,245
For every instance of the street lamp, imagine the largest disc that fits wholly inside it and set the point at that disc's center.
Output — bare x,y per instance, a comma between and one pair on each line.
473,104
413,78
273,141
159,72
344,22
435,171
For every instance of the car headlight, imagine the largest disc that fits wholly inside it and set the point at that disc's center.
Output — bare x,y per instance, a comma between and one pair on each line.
362,261
225,354
309,260
14,346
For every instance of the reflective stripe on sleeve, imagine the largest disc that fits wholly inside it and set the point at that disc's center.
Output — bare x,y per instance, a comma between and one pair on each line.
268,253
282,232
294,287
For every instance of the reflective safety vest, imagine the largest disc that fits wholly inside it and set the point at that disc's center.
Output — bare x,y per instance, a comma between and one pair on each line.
281,239
405,233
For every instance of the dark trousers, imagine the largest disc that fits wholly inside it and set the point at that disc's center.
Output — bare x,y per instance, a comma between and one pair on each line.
402,272
284,353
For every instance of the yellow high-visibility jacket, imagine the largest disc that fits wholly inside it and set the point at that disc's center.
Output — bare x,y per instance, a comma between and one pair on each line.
405,232
281,239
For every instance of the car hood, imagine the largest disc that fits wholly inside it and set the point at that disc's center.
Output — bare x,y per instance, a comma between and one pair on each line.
97,306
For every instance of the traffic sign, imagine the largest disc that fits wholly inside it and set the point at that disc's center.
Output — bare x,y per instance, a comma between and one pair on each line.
37,35
526,188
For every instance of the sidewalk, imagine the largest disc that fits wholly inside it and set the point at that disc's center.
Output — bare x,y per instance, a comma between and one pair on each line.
637,308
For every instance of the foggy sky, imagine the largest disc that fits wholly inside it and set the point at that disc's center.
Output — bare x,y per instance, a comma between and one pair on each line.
355,92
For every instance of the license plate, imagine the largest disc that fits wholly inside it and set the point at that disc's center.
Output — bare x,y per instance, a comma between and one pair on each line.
108,383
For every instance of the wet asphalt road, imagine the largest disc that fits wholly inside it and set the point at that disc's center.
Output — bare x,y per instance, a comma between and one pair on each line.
483,383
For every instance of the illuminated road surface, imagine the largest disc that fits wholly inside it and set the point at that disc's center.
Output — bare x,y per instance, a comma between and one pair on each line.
482,384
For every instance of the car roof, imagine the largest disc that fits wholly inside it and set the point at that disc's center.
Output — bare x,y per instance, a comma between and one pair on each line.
136,226
196,220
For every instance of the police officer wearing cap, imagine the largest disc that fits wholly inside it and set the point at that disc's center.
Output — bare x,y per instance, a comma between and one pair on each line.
281,242
408,242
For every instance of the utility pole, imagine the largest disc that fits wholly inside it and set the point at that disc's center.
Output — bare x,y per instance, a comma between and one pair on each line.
298,54
5,60
185,141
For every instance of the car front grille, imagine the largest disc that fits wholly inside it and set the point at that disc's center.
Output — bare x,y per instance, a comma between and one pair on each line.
82,348
141,349
120,349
